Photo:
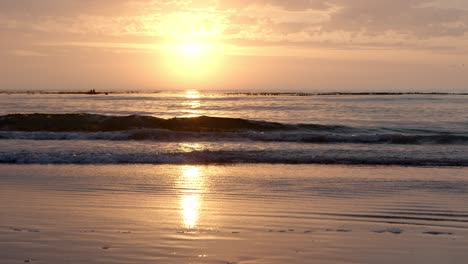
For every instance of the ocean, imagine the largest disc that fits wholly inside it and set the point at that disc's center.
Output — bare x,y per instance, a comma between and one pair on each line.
219,128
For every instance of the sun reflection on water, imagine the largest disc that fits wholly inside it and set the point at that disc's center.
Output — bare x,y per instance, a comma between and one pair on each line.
192,103
192,94
189,147
192,185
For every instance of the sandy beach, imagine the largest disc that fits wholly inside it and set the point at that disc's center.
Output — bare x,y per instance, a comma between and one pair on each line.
232,214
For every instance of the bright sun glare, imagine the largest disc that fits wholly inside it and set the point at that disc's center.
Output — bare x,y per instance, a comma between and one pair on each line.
192,62
191,172
192,187
192,49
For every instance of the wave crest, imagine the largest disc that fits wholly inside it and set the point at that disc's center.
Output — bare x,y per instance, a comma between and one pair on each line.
206,128
95,123
293,137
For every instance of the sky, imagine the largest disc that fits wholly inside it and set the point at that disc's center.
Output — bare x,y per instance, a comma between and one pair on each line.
275,45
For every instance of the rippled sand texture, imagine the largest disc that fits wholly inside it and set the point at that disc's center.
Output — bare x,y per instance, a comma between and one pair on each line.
232,214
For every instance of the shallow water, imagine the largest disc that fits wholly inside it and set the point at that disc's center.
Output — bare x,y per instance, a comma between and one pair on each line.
201,152
233,214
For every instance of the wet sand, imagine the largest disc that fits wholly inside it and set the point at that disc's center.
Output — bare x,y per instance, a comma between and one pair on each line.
232,214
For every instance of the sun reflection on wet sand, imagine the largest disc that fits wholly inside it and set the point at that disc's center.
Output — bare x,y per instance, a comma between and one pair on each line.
192,187
190,210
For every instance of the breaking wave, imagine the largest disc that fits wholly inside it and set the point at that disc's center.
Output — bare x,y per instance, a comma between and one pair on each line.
299,137
205,128
228,157
95,123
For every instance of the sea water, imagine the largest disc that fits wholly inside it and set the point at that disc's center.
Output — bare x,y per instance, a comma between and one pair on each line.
215,127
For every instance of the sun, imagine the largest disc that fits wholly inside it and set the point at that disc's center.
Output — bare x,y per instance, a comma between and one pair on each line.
191,53
192,49
192,62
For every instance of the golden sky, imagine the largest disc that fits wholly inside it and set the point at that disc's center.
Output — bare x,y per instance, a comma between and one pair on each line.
301,45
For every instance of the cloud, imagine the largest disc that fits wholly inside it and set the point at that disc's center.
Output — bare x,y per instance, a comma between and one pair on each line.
332,23
292,5
64,7
408,17
28,53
